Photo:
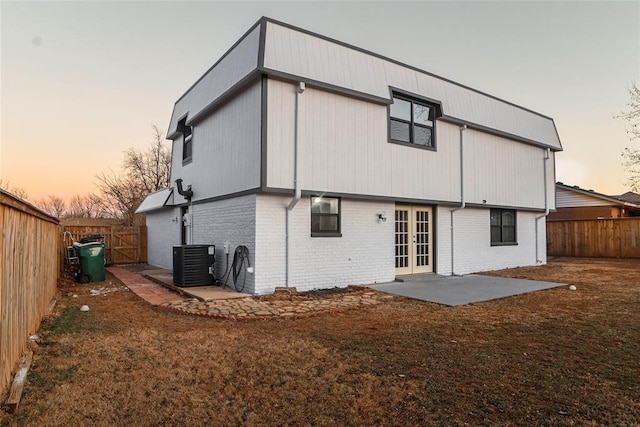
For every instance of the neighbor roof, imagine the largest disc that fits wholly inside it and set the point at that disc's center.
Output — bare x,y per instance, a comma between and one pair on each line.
630,197
610,200
280,50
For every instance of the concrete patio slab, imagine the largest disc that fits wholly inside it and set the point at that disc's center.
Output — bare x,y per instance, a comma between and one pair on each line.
460,290
203,293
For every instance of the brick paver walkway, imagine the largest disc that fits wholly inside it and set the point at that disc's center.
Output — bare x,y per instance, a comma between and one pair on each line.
249,307
145,288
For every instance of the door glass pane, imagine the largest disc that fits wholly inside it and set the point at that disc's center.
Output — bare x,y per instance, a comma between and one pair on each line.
422,238
402,239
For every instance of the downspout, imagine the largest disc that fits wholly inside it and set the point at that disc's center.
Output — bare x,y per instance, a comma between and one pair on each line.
547,155
297,193
463,203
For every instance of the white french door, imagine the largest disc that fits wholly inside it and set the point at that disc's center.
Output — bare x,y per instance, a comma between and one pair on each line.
414,237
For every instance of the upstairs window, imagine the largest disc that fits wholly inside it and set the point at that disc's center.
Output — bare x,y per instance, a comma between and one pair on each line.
187,141
325,217
412,122
503,227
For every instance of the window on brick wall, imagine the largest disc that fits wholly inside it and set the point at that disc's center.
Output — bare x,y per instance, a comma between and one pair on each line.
325,217
503,227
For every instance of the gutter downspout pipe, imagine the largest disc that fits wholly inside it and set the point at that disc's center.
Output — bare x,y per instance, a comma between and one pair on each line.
297,193
547,155
463,203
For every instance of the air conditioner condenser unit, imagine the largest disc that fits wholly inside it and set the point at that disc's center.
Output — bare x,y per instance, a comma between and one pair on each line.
193,265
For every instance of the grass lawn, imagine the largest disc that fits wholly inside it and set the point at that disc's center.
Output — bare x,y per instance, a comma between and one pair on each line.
555,357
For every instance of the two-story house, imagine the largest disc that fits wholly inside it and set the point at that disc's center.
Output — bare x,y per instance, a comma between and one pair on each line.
336,166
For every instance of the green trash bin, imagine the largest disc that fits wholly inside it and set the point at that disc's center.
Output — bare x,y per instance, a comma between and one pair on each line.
91,257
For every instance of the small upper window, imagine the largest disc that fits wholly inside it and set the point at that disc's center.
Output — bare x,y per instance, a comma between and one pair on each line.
325,217
503,227
413,122
187,140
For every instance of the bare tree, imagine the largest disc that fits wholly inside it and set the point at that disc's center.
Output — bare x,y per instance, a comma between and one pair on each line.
121,195
631,162
89,206
631,155
142,172
633,115
152,166
16,191
53,205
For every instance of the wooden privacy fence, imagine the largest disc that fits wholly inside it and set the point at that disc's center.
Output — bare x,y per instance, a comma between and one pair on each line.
610,238
123,245
29,273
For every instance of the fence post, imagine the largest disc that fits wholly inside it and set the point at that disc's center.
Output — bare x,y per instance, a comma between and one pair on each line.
111,245
139,245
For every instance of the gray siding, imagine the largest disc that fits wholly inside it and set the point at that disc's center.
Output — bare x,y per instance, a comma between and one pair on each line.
237,64
226,149
502,172
306,56
344,148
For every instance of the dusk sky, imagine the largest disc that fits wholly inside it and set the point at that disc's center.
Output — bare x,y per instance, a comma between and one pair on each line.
81,82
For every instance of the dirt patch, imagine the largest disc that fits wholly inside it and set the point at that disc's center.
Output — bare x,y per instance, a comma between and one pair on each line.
555,357
285,294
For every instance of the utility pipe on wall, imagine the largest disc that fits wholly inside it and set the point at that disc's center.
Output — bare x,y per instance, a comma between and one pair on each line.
188,195
462,200
297,191
547,155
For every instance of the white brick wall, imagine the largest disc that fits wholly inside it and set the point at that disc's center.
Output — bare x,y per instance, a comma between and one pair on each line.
363,255
472,246
163,232
232,221
271,242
